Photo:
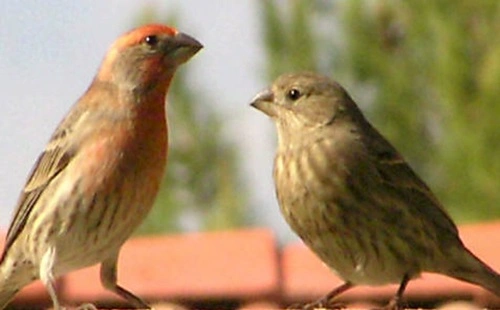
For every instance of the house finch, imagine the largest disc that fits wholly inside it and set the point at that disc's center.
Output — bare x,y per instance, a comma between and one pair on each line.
98,176
352,198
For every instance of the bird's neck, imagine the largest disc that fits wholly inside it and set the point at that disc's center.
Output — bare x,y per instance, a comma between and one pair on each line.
294,136
148,98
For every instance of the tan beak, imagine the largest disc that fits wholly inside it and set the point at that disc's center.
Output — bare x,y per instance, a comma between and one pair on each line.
264,101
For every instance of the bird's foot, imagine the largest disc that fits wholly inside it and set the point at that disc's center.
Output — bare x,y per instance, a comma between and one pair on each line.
87,306
320,304
394,304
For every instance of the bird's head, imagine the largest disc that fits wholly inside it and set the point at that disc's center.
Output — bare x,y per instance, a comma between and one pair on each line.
147,56
300,103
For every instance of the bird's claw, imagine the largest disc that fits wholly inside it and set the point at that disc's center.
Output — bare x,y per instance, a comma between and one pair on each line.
87,306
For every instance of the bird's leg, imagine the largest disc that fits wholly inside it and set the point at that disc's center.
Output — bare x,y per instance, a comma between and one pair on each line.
324,301
108,280
47,276
395,302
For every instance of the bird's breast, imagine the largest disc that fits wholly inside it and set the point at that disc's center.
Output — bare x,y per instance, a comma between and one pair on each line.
113,182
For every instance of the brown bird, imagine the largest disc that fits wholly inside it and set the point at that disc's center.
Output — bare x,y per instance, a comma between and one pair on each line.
353,199
98,176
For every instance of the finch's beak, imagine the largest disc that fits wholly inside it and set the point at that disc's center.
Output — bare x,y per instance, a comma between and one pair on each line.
184,47
264,101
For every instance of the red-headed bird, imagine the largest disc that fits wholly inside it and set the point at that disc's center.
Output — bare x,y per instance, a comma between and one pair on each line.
99,174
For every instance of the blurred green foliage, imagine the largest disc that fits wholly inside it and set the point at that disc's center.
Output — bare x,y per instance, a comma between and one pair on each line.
426,73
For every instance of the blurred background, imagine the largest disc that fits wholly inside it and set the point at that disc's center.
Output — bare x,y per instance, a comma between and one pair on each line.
426,74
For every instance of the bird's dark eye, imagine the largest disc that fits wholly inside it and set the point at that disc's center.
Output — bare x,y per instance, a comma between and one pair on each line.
294,94
151,40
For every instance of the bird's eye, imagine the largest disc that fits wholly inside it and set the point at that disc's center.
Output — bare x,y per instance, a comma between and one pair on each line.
151,40
294,94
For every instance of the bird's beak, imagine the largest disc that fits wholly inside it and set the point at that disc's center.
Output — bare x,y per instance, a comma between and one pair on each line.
264,101
185,47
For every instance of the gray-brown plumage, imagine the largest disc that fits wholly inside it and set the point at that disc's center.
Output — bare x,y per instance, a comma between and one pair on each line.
352,198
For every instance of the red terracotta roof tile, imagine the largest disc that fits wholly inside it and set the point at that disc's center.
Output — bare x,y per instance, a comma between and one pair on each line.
232,264
33,294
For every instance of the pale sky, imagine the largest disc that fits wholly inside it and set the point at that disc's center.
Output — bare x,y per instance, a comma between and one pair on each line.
49,54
